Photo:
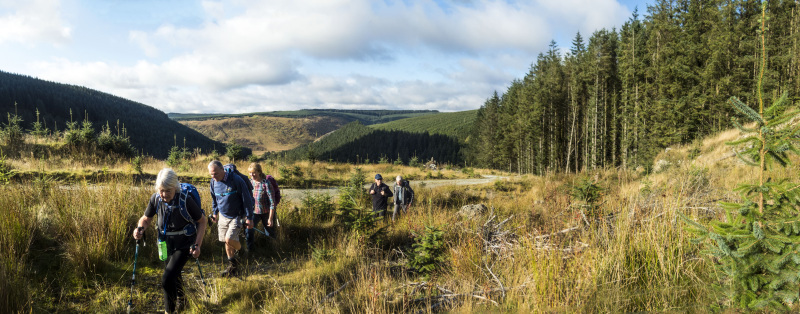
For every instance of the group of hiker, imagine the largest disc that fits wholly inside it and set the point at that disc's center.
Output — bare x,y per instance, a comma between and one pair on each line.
238,203
402,197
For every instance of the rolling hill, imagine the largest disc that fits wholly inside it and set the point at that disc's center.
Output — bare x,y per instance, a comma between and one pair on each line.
358,143
285,130
266,133
366,117
453,124
150,130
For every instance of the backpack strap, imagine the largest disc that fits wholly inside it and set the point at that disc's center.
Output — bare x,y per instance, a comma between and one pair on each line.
191,227
227,193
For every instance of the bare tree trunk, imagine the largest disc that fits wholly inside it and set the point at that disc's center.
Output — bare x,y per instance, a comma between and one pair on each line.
572,129
594,126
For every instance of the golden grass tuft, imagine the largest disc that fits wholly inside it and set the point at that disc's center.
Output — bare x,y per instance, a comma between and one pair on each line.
636,257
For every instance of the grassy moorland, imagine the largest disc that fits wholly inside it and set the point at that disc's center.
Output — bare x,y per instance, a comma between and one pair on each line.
540,247
265,133
363,116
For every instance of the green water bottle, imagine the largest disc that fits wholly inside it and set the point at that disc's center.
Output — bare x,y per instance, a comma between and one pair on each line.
162,249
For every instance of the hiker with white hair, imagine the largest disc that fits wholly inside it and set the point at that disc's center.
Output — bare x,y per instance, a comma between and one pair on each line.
181,225
403,196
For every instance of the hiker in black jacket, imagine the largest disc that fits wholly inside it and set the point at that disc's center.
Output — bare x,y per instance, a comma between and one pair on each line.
380,196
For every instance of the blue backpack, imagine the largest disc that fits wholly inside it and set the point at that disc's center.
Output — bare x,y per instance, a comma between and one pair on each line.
187,190
190,191
231,169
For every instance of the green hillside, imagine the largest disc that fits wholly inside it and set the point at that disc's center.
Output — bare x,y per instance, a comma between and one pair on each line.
439,136
454,124
149,129
356,143
365,117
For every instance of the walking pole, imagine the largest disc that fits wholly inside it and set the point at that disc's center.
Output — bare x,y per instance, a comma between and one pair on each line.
265,232
200,270
133,278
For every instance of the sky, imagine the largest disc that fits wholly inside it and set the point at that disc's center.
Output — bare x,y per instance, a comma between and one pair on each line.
239,56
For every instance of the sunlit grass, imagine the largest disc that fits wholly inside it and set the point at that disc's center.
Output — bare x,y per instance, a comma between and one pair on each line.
66,246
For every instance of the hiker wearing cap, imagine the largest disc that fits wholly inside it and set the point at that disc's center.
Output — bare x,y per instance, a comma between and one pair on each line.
380,196
231,200
403,196
264,207
178,236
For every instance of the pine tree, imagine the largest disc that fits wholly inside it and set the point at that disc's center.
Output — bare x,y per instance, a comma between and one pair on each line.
757,245
38,129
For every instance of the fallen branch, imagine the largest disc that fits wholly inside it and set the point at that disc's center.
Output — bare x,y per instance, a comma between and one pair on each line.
503,289
448,298
651,218
332,294
568,250
556,233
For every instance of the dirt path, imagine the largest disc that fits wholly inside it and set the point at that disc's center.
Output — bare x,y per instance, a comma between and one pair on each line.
297,194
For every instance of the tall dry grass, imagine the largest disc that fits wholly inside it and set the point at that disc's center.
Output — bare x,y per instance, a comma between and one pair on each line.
17,230
637,257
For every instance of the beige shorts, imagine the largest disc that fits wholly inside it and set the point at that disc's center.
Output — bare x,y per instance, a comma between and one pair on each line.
228,228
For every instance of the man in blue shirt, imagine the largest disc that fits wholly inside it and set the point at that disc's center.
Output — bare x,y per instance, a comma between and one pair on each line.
230,201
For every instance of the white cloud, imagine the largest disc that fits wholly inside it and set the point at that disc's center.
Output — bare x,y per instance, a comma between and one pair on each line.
141,39
246,56
260,45
33,21
586,16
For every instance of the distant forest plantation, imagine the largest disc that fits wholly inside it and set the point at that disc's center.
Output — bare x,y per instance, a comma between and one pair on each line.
150,130
623,95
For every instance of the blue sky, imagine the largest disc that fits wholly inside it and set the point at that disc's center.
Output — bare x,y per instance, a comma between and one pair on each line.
235,56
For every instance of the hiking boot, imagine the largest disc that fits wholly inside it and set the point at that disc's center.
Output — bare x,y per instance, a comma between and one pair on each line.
180,303
232,270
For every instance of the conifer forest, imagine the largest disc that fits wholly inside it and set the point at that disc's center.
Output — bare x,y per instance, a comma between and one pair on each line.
620,96
649,167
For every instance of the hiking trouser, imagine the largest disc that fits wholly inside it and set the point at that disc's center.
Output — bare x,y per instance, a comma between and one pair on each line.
379,212
172,281
397,208
249,234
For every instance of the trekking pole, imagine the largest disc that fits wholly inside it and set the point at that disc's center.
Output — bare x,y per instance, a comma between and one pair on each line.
263,232
200,270
133,278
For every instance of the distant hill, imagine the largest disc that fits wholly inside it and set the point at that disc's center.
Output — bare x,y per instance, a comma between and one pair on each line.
266,133
284,130
355,143
150,130
366,117
454,124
